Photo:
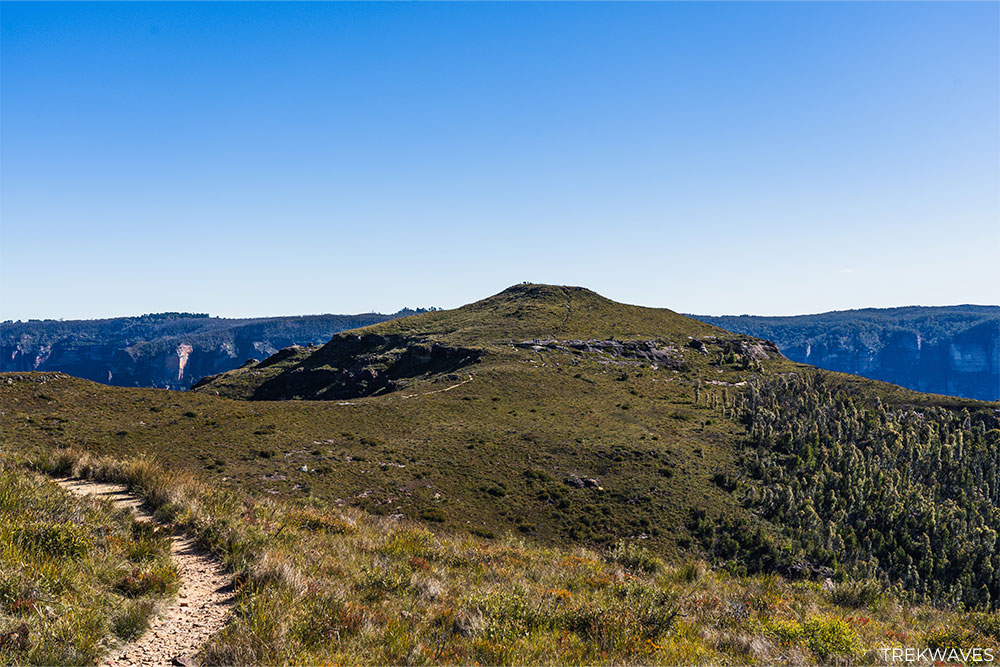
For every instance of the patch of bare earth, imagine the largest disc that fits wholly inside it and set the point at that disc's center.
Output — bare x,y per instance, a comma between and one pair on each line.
203,602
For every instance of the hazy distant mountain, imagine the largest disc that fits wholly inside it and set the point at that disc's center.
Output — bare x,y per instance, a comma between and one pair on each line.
170,350
946,350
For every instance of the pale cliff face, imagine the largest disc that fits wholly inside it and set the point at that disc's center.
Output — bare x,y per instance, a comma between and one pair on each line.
948,350
161,351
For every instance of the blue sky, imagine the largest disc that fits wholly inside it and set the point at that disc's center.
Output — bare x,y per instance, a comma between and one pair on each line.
262,159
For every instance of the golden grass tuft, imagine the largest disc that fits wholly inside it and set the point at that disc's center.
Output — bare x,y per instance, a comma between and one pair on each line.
342,587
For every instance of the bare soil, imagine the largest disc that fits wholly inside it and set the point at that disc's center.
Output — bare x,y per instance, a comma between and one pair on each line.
201,607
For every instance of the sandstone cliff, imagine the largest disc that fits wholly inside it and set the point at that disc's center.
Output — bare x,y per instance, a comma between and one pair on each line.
951,350
167,350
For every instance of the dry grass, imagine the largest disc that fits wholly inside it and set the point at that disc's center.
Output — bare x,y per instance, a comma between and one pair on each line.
76,575
342,587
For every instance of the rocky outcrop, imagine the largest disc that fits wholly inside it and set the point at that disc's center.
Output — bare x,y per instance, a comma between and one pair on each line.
170,350
349,366
655,352
951,350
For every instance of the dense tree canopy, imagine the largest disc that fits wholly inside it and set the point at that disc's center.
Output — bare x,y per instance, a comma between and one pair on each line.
908,495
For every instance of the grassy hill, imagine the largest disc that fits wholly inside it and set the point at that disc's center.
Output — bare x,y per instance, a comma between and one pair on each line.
546,410
560,420
324,585
570,325
587,445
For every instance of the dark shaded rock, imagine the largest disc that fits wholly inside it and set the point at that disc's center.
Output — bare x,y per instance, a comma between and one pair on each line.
356,365
698,345
168,350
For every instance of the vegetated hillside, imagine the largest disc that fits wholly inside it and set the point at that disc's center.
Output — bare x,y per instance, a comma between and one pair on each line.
557,414
317,584
166,350
557,327
947,350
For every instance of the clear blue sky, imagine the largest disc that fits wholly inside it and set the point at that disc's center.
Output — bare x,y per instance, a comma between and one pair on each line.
261,159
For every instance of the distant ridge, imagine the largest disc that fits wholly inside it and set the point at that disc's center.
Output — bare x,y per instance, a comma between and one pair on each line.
951,350
165,350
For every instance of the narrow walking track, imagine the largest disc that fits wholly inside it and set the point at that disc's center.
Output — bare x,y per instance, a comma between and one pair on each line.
438,391
202,604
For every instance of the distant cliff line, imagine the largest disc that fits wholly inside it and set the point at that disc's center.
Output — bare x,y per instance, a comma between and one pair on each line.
165,350
952,350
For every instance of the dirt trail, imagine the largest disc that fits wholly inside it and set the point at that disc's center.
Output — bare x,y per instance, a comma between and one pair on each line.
438,391
202,606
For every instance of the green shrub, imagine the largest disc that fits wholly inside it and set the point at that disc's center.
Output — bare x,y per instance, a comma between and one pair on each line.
829,636
56,539
785,630
158,580
322,521
482,532
411,542
132,620
987,624
382,579
953,636
148,542
864,593
634,557
826,637
433,514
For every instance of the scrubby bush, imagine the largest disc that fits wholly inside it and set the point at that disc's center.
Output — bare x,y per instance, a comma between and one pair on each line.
634,557
987,624
857,594
313,519
826,637
157,580
432,514
63,539
132,619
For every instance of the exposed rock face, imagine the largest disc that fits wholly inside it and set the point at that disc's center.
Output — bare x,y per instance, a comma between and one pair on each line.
755,349
170,350
556,324
656,352
945,350
349,366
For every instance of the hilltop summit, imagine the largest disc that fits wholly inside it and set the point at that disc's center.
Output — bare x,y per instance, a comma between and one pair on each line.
572,321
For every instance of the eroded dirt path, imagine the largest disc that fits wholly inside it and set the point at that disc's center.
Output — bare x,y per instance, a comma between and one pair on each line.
438,391
203,602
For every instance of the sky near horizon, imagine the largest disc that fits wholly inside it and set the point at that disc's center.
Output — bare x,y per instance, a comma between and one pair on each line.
719,158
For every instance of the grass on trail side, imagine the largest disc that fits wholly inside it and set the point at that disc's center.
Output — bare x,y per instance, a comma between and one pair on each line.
338,586
76,574
502,452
